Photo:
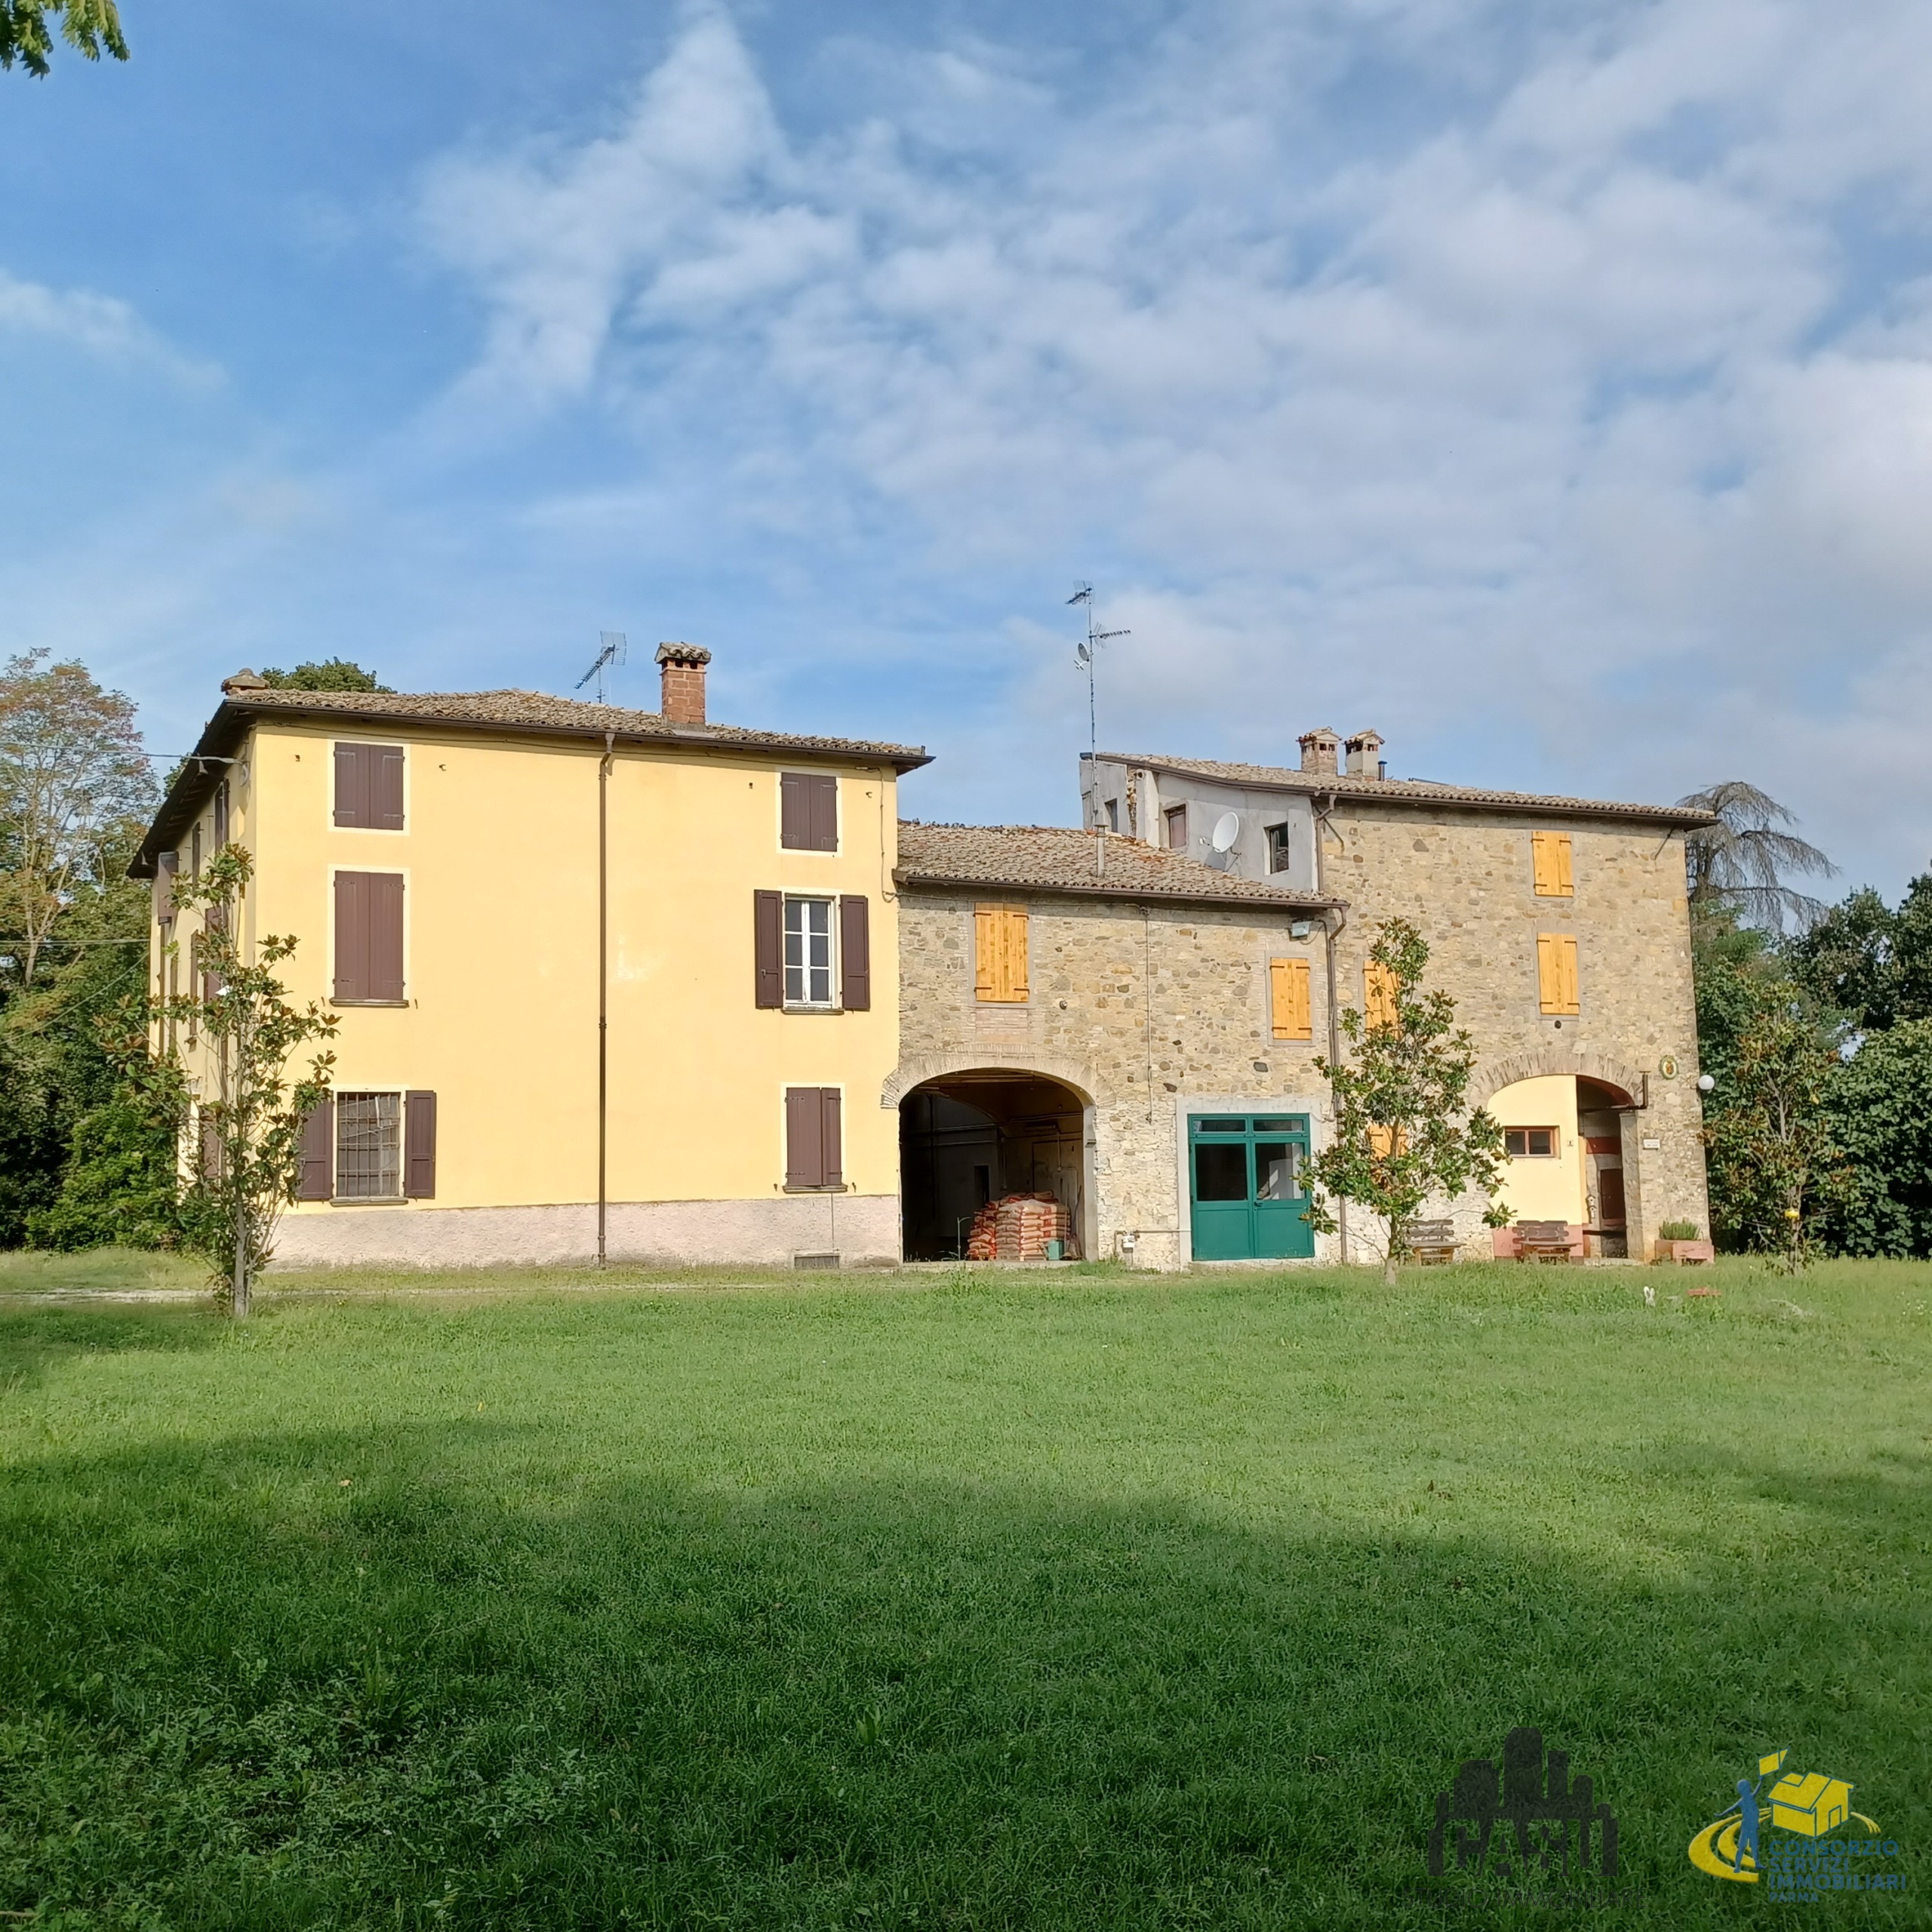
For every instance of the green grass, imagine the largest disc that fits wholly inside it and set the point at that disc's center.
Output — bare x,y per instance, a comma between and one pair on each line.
965,1599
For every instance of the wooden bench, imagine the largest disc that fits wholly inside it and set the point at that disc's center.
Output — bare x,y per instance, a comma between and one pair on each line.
1430,1241
1543,1240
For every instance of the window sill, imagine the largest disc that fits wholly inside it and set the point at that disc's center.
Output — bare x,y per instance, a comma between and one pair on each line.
841,1187
830,1012
369,1201
334,1002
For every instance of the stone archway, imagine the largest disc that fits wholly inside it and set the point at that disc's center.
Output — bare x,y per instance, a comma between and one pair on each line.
917,1069
1491,1076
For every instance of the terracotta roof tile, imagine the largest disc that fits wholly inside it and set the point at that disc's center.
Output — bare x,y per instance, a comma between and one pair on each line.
1058,858
1407,791
535,711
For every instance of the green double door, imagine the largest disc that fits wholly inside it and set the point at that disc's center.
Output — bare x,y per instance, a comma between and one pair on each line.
1245,1182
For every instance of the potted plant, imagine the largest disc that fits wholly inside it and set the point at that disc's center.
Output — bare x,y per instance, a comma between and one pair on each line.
1677,1240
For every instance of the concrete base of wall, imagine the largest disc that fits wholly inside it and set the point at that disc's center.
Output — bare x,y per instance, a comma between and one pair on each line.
862,1229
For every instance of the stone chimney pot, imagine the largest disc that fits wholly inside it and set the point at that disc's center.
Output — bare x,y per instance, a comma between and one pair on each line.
1365,755
243,682
682,666
1319,751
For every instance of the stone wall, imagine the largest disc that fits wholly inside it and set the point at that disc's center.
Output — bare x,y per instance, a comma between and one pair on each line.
1465,879
1146,1011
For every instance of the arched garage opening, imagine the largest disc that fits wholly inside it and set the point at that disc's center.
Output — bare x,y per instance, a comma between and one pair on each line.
967,1138
1564,1134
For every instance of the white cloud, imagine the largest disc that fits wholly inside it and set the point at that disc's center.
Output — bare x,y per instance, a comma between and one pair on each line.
101,326
1550,384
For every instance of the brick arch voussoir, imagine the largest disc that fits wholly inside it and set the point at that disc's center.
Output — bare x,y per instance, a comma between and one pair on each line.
915,1069
1491,1076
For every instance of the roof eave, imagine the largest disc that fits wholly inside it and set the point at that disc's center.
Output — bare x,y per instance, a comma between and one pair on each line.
1280,903
1314,784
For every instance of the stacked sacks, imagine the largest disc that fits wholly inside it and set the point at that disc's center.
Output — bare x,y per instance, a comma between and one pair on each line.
1018,1227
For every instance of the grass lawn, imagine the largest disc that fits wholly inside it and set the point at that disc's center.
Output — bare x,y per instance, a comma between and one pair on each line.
968,1599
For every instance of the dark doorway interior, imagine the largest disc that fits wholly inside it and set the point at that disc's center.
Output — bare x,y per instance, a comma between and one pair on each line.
966,1139
1599,1127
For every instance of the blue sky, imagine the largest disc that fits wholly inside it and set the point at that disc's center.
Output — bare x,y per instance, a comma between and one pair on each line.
1547,385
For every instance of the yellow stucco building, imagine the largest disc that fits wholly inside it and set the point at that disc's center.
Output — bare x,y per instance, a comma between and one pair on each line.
592,966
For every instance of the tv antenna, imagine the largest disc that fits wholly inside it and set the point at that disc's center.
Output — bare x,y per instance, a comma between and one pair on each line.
1086,654
615,651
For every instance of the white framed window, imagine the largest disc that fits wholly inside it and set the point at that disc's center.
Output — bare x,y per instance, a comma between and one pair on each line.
808,964
368,1146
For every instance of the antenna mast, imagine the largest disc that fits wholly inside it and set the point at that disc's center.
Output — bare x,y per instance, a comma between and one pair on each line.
615,650
1086,654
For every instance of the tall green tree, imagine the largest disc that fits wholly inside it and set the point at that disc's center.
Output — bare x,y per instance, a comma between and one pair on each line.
1878,1100
1777,1170
1402,1136
89,27
249,1112
74,781
1868,961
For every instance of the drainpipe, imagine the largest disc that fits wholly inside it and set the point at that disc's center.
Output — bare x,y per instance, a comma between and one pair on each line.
603,992
1334,921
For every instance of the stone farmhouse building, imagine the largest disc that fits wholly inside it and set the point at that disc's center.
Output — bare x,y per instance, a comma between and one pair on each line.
636,983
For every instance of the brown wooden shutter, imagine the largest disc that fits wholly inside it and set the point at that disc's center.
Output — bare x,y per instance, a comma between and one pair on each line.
351,785
795,814
855,954
419,1146
1288,987
830,1152
822,792
317,1180
352,934
804,1137
383,764
211,1149
385,936
166,866
768,947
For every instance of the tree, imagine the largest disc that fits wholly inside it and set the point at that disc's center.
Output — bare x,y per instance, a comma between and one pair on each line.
1879,1104
1401,1137
332,674
1777,1168
1868,961
89,27
73,782
1740,862
249,1115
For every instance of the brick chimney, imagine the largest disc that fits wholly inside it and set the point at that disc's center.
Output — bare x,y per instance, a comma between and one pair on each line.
1319,748
1365,755
683,666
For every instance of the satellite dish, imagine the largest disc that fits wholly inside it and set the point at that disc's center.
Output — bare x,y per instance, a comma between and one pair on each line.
1227,829
1081,655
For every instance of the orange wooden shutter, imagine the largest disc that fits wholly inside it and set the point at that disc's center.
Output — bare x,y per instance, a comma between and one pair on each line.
1549,864
1287,991
1556,973
1379,995
999,949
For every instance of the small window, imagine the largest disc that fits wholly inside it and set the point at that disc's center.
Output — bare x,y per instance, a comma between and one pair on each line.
1113,814
368,787
368,1146
808,811
1531,1144
1278,848
808,952
1176,817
